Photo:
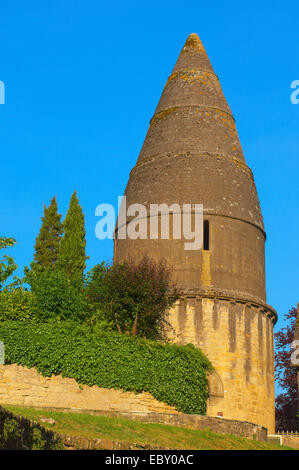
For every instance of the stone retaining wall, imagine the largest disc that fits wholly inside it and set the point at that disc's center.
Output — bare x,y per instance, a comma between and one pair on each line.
285,439
291,441
81,443
26,387
215,424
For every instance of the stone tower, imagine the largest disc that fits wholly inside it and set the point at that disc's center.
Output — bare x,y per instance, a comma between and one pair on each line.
192,155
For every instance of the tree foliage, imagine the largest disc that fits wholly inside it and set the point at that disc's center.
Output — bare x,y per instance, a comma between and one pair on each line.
7,264
286,376
57,296
134,296
72,256
48,240
56,274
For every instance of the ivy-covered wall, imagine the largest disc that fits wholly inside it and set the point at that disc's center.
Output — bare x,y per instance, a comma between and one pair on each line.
173,374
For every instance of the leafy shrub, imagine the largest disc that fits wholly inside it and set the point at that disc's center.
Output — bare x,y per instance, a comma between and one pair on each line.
173,374
12,434
17,304
17,433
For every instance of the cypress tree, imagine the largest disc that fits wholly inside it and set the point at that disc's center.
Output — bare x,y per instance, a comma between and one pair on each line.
72,256
48,240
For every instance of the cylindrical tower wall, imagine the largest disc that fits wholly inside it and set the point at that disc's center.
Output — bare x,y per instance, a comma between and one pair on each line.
192,155
237,337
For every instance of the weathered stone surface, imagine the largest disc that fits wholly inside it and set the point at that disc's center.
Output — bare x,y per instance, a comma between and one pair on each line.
192,155
79,443
290,440
50,421
22,386
67,396
239,342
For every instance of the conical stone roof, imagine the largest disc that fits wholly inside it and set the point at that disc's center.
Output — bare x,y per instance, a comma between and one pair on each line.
193,93
192,155
193,119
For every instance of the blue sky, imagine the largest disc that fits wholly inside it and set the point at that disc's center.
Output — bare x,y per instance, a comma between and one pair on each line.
82,79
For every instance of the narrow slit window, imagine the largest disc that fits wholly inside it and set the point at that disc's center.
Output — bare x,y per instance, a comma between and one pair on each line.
206,235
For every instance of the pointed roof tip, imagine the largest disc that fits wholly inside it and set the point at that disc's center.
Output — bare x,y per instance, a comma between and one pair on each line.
193,35
193,56
193,42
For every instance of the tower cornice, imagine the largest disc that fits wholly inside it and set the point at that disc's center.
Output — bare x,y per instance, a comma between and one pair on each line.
230,296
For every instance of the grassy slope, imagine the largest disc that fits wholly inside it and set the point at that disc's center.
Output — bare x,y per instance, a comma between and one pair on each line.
120,429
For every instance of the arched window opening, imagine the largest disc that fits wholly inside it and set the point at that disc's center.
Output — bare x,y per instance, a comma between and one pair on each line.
206,235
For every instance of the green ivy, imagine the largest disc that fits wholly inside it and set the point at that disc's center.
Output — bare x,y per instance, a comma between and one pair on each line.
173,374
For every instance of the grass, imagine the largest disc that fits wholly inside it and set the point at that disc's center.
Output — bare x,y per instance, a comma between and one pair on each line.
134,432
